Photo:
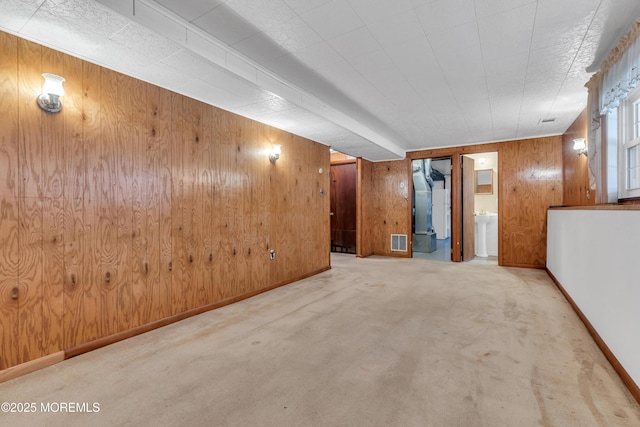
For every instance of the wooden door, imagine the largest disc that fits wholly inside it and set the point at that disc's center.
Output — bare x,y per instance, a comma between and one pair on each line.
468,220
343,208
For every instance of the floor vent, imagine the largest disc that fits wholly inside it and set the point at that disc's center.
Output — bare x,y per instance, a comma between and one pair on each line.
399,242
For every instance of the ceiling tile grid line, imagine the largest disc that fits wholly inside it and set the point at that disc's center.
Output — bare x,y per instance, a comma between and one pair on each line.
246,68
377,77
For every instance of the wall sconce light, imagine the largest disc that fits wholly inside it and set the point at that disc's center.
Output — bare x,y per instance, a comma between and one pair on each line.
275,154
49,100
580,146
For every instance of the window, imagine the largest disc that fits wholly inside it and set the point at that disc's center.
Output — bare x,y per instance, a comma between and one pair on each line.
629,131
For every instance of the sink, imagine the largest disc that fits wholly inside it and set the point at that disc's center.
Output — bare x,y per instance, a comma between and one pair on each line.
481,232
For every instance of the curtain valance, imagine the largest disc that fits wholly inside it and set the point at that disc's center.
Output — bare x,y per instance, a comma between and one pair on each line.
622,76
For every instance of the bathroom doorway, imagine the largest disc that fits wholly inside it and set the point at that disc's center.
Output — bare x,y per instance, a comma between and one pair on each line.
485,207
431,210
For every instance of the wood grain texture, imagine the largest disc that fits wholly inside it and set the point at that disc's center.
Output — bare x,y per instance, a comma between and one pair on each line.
134,205
106,202
53,168
161,133
530,182
74,179
124,200
30,147
391,205
364,226
30,268
30,204
177,181
53,274
139,196
575,168
91,244
9,196
338,158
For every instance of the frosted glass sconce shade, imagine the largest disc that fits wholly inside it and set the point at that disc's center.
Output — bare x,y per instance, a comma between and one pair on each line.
52,89
580,146
275,154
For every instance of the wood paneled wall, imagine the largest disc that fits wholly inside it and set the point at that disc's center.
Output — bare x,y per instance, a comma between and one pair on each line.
339,158
389,204
134,204
575,168
530,173
365,219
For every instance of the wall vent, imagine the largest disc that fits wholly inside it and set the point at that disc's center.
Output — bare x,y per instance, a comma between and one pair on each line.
399,243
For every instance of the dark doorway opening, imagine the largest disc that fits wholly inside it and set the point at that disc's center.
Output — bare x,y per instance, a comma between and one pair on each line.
343,208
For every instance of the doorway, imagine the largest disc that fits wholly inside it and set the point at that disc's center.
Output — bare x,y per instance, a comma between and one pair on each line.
431,210
482,202
343,207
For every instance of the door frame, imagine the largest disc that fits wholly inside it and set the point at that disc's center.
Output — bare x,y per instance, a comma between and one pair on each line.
456,188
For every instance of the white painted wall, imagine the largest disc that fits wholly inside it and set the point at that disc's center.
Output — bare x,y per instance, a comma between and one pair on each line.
595,255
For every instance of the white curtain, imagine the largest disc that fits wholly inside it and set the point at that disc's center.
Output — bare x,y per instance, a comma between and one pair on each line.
621,78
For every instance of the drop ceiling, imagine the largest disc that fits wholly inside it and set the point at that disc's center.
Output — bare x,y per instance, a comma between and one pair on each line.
371,78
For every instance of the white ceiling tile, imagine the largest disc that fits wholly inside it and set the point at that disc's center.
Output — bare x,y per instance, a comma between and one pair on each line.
558,11
254,110
355,43
139,38
509,31
83,14
123,7
458,50
568,34
302,6
262,14
613,20
490,7
318,55
260,47
73,25
69,37
165,76
16,13
205,92
372,62
277,86
192,9
332,19
378,12
190,64
152,18
359,74
440,15
293,35
226,25
205,47
398,28
503,86
123,59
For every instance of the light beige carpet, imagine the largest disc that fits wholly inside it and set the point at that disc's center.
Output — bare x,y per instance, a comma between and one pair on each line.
373,342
